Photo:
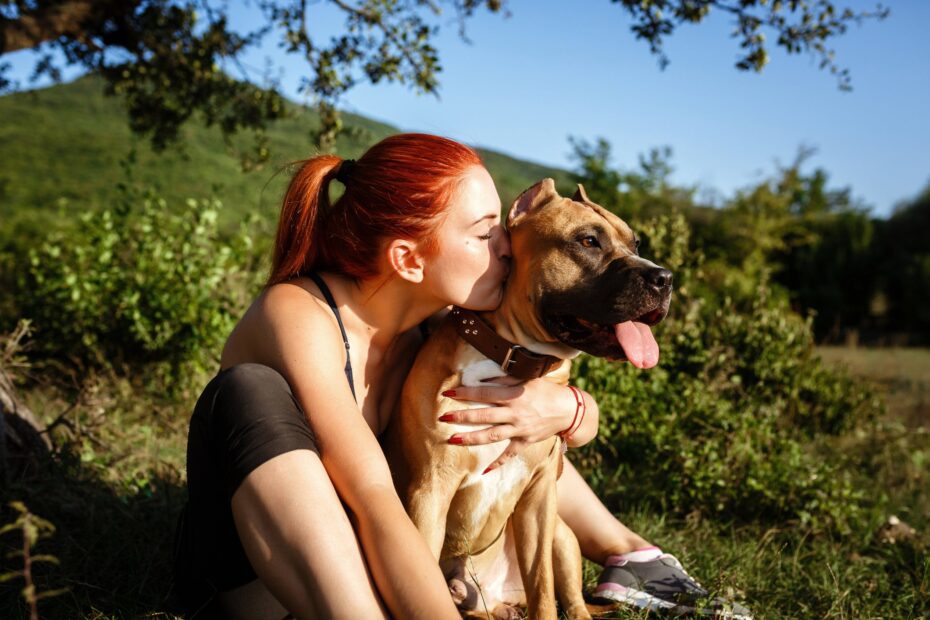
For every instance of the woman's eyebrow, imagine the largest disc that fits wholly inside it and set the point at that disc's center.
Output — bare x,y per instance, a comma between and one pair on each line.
489,216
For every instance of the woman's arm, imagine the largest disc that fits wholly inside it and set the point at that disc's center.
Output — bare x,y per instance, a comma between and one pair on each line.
304,345
525,413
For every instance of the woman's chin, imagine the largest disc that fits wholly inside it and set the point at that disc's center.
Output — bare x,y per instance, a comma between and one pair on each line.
485,303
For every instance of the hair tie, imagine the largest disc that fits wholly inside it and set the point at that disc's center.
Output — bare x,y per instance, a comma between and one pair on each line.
345,171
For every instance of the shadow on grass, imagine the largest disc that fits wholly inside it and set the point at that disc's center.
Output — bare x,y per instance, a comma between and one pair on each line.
114,551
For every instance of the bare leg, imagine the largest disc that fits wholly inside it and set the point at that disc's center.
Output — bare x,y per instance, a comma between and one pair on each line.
300,541
599,533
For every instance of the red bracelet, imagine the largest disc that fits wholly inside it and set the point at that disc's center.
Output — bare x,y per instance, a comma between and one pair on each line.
580,407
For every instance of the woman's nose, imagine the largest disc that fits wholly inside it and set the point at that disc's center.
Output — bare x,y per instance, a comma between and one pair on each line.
503,244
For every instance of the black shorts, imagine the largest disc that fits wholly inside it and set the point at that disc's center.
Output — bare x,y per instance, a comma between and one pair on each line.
246,416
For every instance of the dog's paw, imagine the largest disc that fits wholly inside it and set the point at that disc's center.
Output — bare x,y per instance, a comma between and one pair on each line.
458,590
506,612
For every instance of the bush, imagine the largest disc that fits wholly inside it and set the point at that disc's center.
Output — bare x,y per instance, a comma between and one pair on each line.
724,424
138,285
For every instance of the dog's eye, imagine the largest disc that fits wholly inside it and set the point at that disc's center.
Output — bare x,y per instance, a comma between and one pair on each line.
590,242
636,241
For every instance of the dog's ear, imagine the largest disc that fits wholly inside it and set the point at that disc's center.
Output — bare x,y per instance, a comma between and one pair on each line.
580,196
530,199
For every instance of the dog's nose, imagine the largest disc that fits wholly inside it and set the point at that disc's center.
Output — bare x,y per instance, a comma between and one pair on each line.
658,278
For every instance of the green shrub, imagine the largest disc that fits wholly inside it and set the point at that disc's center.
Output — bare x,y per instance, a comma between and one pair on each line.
726,422
138,285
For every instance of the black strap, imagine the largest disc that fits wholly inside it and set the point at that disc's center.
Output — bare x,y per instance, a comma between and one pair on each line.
332,304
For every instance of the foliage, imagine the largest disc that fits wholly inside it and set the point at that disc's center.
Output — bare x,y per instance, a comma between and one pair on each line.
75,118
646,190
852,273
138,285
800,26
733,419
170,59
902,259
724,424
32,528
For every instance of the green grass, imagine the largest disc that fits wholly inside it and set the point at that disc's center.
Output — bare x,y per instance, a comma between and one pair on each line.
114,491
903,376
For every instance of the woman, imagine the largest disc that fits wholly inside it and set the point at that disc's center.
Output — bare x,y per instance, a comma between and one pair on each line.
291,503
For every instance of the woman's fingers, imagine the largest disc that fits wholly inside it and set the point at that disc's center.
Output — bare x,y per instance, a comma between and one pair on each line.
484,415
492,434
484,394
504,380
512,450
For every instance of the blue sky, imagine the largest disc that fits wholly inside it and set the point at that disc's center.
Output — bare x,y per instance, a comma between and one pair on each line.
555,69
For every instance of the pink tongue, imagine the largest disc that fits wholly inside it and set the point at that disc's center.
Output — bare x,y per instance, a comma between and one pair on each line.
638,343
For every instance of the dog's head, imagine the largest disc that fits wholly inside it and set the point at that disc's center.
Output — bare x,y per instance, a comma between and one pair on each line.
580,268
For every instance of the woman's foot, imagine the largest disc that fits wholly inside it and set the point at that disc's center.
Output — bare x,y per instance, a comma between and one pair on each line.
650,579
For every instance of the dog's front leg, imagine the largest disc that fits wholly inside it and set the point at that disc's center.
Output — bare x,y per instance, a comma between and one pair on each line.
566,564
534,527
428,500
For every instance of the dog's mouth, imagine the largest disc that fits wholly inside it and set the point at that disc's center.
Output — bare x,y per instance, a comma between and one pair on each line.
628,340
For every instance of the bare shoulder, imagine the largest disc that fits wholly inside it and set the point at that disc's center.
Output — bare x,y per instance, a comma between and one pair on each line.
284,326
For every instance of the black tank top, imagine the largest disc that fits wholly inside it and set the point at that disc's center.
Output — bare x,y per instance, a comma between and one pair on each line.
332,304
424,329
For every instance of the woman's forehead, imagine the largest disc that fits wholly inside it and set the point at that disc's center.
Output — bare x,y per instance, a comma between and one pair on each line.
475,199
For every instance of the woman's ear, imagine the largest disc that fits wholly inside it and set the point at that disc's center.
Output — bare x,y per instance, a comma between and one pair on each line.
405,259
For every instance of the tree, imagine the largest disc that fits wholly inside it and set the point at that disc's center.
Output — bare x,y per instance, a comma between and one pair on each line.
171,59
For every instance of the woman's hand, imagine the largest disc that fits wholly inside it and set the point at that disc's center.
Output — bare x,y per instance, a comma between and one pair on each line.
522,413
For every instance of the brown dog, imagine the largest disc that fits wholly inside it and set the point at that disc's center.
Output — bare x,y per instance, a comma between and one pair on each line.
577,284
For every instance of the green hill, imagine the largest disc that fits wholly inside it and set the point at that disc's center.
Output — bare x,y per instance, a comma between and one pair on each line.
67,142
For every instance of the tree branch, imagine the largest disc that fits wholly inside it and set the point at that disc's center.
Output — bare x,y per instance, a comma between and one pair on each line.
45,24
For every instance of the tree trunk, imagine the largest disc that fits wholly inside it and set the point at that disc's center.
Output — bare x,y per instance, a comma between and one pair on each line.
22,443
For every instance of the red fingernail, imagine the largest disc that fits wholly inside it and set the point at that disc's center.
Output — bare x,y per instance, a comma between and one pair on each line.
449,393
486,470
446,417
455,439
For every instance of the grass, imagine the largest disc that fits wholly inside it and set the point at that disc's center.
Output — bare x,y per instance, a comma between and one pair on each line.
115,487
903,376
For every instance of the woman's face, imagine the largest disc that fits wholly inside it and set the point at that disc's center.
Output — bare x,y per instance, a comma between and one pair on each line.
474,249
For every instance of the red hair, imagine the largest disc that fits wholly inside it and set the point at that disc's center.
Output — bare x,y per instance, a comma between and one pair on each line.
399,188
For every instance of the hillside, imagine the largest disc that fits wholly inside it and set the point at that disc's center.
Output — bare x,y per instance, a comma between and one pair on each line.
67,142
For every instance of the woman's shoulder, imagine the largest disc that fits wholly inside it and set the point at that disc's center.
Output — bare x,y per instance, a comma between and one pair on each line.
286,319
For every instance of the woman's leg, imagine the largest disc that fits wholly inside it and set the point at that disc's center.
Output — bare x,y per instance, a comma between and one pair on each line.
260,504
599,533
300,542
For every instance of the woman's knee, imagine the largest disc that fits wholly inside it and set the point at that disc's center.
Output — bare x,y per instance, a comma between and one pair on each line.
248,415
249,382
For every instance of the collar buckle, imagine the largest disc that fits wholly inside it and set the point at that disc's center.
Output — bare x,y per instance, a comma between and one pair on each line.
508,358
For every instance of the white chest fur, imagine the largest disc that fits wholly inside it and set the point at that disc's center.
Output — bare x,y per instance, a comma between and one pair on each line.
502,480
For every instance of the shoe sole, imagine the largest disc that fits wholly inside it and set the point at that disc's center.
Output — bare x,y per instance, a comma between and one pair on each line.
632,596
644,600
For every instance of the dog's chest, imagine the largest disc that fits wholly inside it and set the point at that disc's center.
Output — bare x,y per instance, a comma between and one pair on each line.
504,480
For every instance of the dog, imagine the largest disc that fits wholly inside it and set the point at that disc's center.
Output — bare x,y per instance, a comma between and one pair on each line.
577,284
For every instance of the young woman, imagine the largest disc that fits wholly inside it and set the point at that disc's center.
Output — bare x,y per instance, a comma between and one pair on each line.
291,505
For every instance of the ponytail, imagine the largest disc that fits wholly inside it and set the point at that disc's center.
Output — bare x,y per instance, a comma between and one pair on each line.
306,202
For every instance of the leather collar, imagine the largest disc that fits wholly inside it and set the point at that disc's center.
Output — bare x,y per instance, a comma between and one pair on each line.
513,359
